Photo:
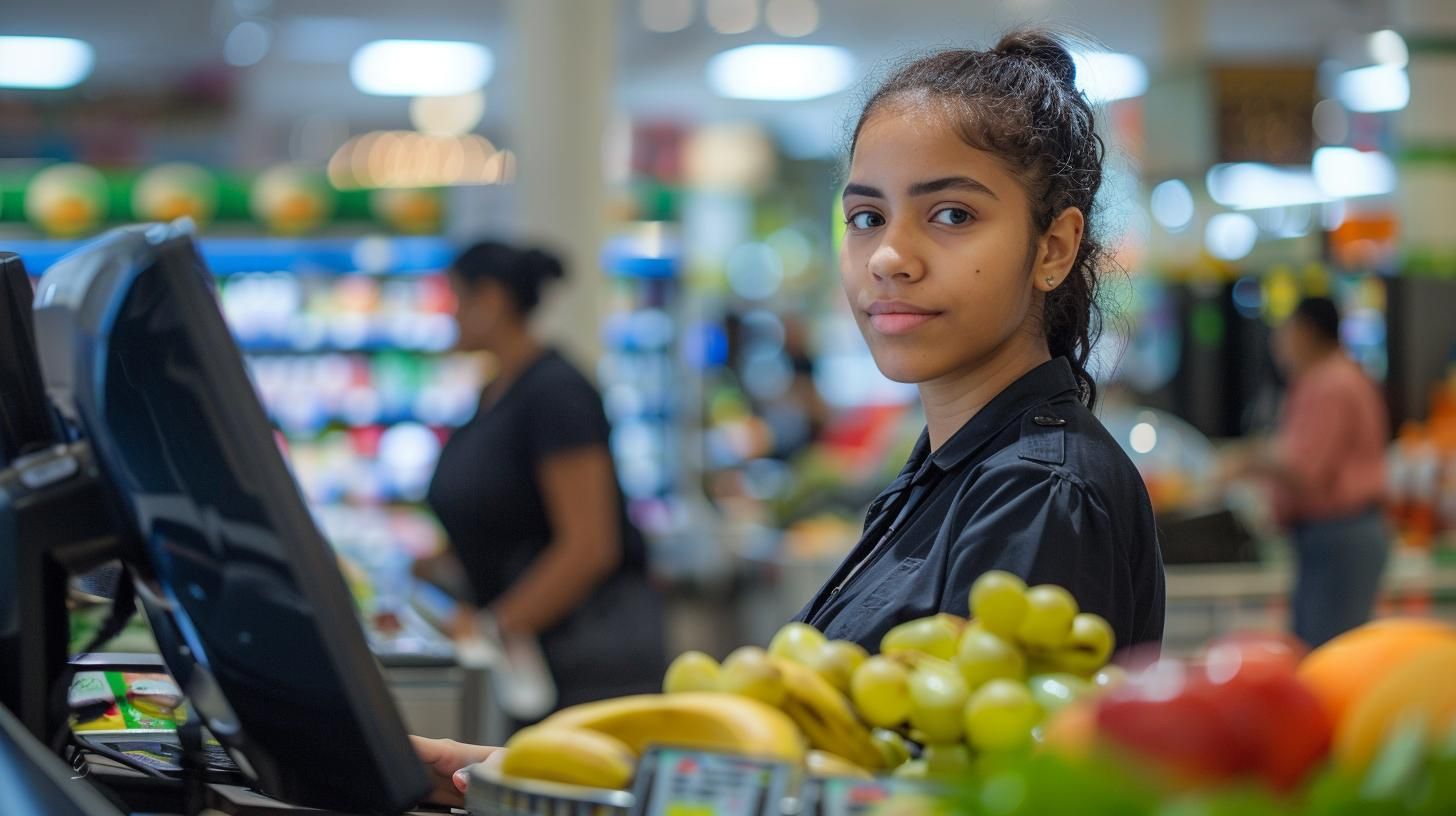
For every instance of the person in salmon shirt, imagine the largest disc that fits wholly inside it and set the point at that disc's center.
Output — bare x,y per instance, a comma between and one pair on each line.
1325,468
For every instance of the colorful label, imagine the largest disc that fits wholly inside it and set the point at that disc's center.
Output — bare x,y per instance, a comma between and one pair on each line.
137,700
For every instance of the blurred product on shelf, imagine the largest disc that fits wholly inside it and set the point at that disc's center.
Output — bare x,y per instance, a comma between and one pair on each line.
348,344
280,311
1422,473
306,394
643,387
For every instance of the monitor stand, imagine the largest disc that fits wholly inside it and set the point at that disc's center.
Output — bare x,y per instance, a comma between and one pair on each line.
55,521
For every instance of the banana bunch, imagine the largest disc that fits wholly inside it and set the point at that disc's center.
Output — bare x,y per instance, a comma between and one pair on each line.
801,674
825,715
575,756
598,744
706,720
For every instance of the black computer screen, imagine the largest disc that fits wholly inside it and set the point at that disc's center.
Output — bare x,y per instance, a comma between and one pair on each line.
25,420
134,347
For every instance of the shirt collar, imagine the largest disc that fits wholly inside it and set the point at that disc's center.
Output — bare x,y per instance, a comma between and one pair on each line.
1047,381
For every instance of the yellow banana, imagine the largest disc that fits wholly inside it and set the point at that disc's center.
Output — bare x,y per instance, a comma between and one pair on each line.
824,765
826,717
713,721
575,756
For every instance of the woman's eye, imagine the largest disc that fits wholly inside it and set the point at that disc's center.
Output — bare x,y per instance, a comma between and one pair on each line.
952,216
866,220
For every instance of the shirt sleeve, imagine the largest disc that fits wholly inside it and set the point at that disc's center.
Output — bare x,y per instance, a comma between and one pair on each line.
1047,527
565,414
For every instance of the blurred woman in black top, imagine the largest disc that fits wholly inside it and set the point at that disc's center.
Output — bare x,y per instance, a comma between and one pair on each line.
528,494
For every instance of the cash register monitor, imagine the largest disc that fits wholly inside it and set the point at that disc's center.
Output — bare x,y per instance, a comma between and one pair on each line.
25,419
269,649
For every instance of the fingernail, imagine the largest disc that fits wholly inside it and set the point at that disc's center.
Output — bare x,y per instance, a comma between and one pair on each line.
461,779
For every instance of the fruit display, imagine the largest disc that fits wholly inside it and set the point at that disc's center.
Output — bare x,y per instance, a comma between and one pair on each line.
1016,710
943,691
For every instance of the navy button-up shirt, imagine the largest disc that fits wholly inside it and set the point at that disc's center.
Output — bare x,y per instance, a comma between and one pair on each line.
1032,484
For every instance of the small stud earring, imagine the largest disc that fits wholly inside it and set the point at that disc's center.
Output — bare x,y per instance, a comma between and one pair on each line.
1050,281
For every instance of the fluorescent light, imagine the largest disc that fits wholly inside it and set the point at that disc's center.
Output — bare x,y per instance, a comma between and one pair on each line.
1105,76
1344,172
1388,48
421,67
1251,186
1374,89
781,72
1230,236
44,62
1172,205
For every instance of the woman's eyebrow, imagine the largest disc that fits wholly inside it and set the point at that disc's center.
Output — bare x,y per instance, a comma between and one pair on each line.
921,188
853,189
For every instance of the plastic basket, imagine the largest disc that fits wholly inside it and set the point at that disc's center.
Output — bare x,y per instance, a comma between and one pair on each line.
494,794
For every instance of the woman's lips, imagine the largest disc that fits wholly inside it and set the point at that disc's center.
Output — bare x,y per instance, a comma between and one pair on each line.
895,317
900,322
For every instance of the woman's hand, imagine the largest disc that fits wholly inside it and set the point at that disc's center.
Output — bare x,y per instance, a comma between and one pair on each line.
462,624
445,761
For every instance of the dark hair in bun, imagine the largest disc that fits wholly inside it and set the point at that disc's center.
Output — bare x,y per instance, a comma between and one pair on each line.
1019,101
1043,49
523,272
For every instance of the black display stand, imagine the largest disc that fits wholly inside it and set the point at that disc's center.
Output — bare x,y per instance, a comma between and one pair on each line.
55,521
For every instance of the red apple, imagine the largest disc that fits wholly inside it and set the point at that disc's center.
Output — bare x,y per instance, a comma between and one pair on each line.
1169,716
1281,723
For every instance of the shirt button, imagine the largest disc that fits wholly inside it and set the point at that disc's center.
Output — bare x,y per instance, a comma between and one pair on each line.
1049,421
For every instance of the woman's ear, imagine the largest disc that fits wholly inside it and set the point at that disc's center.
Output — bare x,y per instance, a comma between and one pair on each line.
1056,250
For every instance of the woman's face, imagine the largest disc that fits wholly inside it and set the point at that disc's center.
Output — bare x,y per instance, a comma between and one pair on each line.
938,254
480,310
1297,345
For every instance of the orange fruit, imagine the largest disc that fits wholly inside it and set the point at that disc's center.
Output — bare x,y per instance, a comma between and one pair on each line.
1343,671
1420,687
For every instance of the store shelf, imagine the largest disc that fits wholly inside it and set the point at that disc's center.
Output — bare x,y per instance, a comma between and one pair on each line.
395,255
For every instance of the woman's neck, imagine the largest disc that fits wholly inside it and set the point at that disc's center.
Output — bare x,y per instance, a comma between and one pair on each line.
951,401
1318,358
514,353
